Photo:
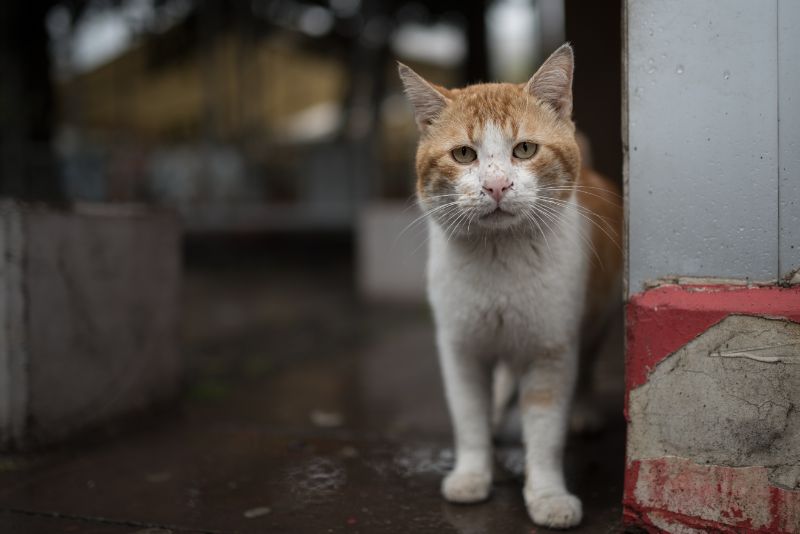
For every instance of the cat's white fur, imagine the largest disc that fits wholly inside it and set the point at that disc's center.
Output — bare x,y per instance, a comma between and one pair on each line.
523,311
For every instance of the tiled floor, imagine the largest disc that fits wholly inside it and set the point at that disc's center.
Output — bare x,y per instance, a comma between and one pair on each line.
305,410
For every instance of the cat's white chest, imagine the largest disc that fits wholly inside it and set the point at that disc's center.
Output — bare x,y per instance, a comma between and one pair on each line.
509,297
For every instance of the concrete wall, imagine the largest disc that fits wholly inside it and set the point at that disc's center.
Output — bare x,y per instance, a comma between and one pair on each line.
710,169
88,317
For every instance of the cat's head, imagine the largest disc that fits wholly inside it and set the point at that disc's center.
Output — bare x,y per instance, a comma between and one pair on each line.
496,157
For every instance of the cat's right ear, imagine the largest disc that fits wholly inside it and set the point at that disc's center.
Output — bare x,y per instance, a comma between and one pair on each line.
427,101
552,83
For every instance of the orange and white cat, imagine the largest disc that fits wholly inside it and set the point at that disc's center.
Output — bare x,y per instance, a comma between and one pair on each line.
522,264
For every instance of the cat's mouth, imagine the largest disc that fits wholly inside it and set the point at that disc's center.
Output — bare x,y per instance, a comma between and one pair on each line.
495,214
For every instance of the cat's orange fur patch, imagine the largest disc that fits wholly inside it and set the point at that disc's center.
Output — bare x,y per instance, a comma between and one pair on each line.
603,199
539,397
510,108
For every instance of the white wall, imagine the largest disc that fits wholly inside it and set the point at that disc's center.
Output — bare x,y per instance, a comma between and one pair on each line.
706,158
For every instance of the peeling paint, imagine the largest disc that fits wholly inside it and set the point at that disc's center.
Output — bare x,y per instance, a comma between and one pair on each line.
785,352
662,320
676,491
718,410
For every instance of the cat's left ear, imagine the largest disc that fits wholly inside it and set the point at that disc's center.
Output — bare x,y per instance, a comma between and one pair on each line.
427,100
552,83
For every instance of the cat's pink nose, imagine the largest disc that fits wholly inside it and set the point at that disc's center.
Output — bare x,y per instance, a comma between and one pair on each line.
496,187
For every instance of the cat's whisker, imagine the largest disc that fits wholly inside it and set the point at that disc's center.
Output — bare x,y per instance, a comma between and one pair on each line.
424,241
423,216
584,192
448,216
607,226
558,217
449,219
580,208
417,203
455,224
533,218
411,202
580,187
588,214
469,222
545,217
448,224
466,221
431,211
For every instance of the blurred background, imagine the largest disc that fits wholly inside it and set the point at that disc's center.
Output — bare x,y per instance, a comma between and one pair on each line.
268,115
278,133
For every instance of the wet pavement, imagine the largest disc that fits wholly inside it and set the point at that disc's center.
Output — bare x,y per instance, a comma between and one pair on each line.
304,410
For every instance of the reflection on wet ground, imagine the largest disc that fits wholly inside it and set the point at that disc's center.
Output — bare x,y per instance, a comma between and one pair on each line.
305,410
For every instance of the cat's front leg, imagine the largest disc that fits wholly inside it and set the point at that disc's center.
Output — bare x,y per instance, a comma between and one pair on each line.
467,385
545,394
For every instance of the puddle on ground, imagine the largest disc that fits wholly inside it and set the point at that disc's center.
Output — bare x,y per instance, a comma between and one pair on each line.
317,479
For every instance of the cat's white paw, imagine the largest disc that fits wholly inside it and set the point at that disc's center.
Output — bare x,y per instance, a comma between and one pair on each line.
467,487
554,510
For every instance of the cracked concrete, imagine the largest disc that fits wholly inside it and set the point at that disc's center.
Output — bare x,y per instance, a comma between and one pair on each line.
730,397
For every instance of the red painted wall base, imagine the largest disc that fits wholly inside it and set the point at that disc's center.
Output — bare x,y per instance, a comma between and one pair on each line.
672,493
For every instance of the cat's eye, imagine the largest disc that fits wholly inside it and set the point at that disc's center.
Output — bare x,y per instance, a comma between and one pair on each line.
525,150
464,154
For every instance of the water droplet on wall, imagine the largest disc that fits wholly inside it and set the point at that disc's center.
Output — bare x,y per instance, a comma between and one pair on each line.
679,69
726,74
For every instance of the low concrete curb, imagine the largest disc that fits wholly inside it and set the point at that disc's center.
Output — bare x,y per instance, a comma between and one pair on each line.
88,316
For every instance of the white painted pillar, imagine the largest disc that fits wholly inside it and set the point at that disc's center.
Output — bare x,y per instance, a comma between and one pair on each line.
713,137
